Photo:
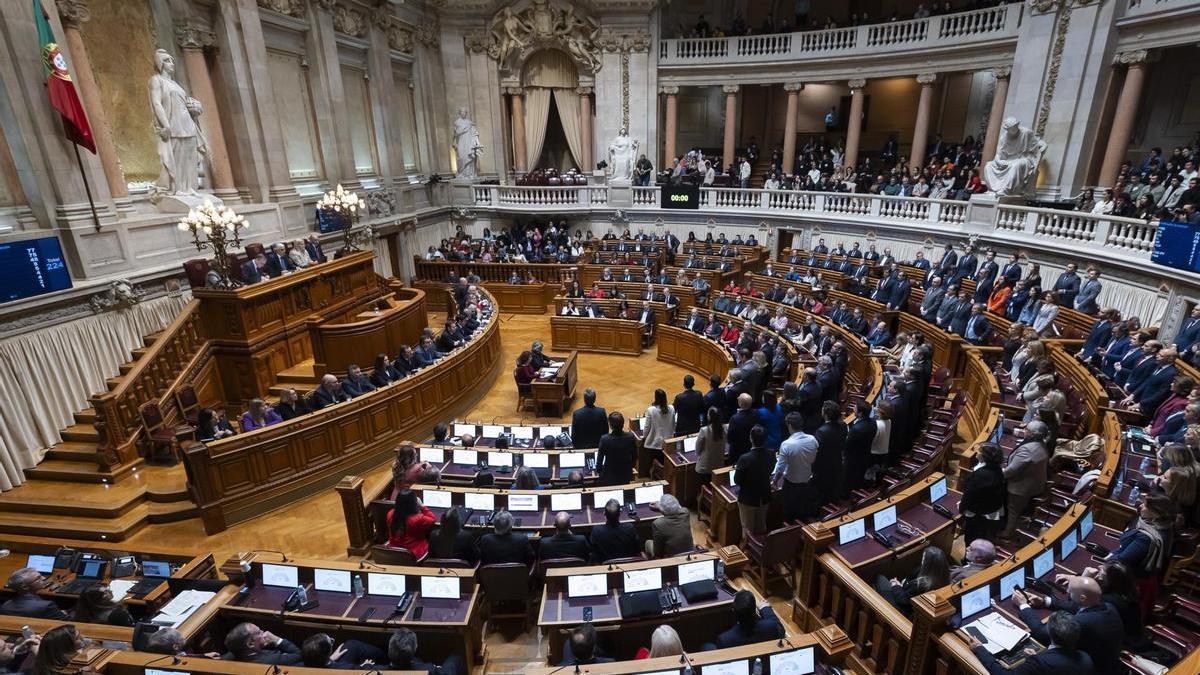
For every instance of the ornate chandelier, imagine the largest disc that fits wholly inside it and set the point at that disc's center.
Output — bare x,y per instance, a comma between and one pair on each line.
215,227
346,206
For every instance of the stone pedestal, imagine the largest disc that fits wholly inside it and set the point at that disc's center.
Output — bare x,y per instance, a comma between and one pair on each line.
981,210
462,191
620,194
185,203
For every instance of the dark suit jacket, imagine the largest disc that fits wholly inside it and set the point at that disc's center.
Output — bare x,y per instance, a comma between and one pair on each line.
560,545
250,272
827,467
288,411
321,398
1049,662
1101,635
356,388
496,549
277,264
588,424
738,434
714,398
614,541
753,476
766,628
462,547
284,654
614,459
33,606
689,409
315,251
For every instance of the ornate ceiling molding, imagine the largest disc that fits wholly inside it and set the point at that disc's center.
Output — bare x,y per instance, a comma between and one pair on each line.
513,35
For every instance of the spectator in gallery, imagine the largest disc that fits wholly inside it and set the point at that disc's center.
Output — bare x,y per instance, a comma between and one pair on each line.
258,416
328,393
211,425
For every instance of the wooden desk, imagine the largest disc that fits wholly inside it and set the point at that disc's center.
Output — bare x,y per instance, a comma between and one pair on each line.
137,663
462,473
557,391
610,336
693,352
522,298
394,321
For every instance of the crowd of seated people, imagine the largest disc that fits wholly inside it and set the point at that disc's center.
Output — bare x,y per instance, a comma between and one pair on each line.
278,260
518,244
1157,187
95,603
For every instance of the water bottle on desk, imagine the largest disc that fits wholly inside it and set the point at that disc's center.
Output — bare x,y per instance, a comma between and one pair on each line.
1144,465
1134,494
358,586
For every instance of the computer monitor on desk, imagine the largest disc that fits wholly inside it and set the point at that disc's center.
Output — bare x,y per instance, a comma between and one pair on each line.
586,585
1043,563
975,601
937,490
883,518
852,531
642,580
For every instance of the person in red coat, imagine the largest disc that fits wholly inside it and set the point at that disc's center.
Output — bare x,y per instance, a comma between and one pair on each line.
409,524
524,373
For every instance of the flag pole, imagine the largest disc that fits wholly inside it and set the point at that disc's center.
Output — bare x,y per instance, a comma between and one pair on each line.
86,186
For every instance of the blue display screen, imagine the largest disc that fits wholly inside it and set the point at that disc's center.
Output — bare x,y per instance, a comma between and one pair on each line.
1177,245
32,267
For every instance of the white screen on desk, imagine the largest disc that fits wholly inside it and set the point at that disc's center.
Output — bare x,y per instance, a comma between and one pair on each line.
535,460
41,563
601,497
484,501
570,460
280,575
522,503
1043,563
1066,545
1014,579
544,432
433,455
643,580
852,531
499,458
704,570
436,499
1085,525
586,585
386,584
440,587
728,668
523,433
689,444
331,580
466,457
645,495
883,518
937,490
976,601
460,429
569,501
798,662
491,431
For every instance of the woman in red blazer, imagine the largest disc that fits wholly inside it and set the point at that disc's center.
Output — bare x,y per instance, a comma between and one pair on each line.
409,524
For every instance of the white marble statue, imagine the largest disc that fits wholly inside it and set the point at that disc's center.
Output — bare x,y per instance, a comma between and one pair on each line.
622,155
1015,166
466,145
180,140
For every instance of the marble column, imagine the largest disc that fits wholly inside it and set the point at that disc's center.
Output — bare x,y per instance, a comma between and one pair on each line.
854,123
1126,114
74,13
585,128
924,110
193,41
517,99
727,149
996,115
671,122
789,125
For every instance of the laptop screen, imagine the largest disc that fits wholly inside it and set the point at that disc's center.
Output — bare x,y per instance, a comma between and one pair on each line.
92,569
156,568
41,563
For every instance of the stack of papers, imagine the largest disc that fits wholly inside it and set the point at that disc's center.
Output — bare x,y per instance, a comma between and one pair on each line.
119,588
1002,634
181,607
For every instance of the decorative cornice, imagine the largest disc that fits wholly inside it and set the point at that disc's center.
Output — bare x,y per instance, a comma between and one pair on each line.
926,79
857,83
477,41
730,88
1002,72
188,36
514,91
668,89
429,33
1048,6
793,86
293,8
614,42
73,13
1136,57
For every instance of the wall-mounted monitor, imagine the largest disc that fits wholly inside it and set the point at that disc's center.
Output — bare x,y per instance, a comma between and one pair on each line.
32,267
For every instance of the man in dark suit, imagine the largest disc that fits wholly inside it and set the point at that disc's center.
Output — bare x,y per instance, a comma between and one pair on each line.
356,384
978,329
900,292
753,478
646,318
328,393
406,361
985,277
689,408
581,649
614,539
828,470
248,642
754,622
809,394
255,270
695,322
425,354
932,300
961,313
278,261
25,583
1189,332
402,653
588,423
1062,657
1067,286
503,545
1012,270
1101,631
740,424
291,405
1157,386
949,262
564,543
594,311
313,246
715,396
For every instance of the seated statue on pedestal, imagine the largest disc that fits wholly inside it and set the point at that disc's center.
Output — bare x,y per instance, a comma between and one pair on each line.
1014,168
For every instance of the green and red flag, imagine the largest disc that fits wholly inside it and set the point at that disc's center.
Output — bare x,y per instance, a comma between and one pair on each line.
63,96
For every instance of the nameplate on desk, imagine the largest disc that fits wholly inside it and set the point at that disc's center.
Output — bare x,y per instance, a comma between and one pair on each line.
852,531
433,455
523,433
571,501
480,501
331,580
445,588
535,460
642,580
798,662
704,570
436,499
571,460
386,584
601,497
466,457
648,494
280,575
587,585
492,430
522,503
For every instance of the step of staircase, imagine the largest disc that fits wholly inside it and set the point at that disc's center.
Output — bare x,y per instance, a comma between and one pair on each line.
76,471
75,527
84,433
113,382
85,416
74,451
124,368
137,353
151,338
173,512
301,373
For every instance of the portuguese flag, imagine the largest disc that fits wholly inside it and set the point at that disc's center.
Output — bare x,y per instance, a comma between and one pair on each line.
58,82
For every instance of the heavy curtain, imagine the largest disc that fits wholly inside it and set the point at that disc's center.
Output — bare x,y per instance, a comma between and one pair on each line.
568,111
49,374
537,115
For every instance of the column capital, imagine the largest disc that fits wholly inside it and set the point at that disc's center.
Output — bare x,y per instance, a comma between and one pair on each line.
857,83
514,91
793,86
926,79
668,89
730,88
1002,72
189,36
73,12
1136,57
584,90
326,5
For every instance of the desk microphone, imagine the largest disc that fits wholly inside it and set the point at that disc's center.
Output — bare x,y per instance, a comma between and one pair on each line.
782,640
175,660
687,663
281,554
363,564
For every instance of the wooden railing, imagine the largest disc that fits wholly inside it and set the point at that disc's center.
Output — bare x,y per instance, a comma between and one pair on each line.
336,344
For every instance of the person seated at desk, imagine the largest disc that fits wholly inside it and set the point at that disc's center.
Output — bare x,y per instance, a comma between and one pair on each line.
564,543
290,405
384,373
170,641
1118,588
356,384
503,545
695,323
980,555
313,247
575,479
211,426
537,357
426,354
406,361
322,651
581,649
715,328
25,584
934,572
255,270
402,653
570,309
524,373
879,337
1062,657
409,523
1101,631
526,478
278,262
258,416
96,605
664,641
327,394
1145,547
615,454
594,311
754,622
299,256
613,539
451,337
248,642
56,650
671,534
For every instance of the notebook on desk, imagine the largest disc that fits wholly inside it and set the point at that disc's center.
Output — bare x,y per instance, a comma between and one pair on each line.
999,634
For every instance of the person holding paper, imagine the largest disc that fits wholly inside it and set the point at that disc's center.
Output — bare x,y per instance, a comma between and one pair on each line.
1101,631
409,523
1061,658
564,543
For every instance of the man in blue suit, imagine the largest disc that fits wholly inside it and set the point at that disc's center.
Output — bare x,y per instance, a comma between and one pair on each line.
967,265
1157,386
978,329
1189,332
900,292
278,261
1089,293
255,270
985,277
1137,362
1101,631
1100,335
1067,286
426,354
1062,657
961,313
1012,270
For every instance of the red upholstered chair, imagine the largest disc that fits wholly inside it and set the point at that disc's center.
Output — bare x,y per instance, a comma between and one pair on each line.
235,267
254,249
771,551
188,402
196,269
159,439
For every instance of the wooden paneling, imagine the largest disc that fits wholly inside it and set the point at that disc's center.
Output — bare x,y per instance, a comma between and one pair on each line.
522,298
693,352
335,345
618,336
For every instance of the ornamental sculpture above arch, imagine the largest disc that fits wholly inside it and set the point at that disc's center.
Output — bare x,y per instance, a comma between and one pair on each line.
513,34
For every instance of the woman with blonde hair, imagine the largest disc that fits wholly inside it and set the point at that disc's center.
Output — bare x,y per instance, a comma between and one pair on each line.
1030,353
1180,478
664,641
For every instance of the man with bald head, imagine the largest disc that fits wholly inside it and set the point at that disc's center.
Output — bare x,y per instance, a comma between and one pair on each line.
1101,629
980,555
740,424
564,543
328,393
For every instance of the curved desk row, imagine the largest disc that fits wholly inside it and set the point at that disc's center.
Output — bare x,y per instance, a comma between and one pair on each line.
241,477
610,336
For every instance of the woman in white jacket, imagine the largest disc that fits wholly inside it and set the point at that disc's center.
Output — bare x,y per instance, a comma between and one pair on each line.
660,422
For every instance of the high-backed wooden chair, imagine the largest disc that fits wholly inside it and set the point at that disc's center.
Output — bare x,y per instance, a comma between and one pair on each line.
392,555
188,402
159,438
770,552
252,250
196,270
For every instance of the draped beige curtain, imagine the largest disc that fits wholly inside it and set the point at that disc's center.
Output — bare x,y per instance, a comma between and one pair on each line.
537,116
568,111
49,374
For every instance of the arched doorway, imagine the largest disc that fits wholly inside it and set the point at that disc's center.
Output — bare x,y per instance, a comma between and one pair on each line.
554,131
